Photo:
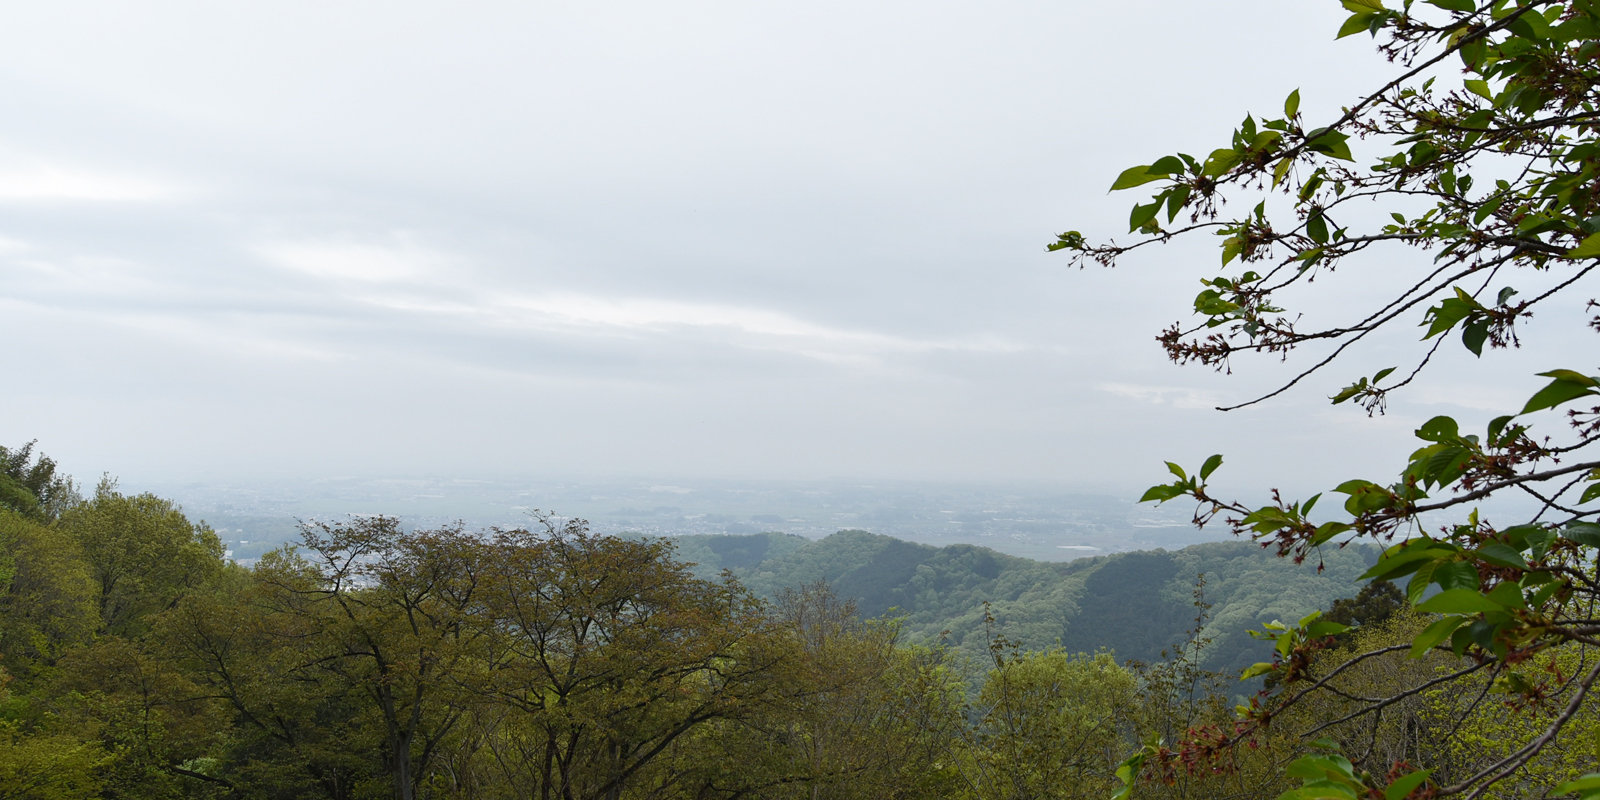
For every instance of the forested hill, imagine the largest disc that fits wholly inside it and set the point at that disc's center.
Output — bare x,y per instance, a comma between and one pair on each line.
1134,604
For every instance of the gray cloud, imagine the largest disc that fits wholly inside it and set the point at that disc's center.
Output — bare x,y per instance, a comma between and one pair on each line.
709,239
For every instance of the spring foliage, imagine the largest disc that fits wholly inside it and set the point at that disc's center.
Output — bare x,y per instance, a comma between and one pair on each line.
1481,155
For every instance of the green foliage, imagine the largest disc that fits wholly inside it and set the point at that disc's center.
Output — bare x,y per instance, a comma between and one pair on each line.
17,499
851,715
1374,604
377,662
1051,724
46,766
1496,179
1134,604
1327,775
46,596
31,486
142,553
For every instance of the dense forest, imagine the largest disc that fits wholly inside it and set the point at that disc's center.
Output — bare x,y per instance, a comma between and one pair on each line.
370,661
1133,604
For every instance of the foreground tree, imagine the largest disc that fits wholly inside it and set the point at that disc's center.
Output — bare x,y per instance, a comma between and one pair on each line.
847,713
445,663
1048,724
142,553
606,653
46,596
1483,153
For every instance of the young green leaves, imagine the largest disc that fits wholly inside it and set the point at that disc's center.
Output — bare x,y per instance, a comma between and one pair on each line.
1476,319
1287,640
1566,386
1185,484
1330,776
1369,16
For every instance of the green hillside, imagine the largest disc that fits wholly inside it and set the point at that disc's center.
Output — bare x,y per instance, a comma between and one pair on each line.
1134,604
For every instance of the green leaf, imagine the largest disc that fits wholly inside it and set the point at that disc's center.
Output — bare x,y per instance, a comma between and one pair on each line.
1435,633
1483,633
1166,165
1210,466
1279,171
1590,493
1464,6
1328,530
1584,533
1450,310
1329,142
1135,176
1588,248
1258,668
1502,555
1508,594
1405,784
1439,429
1456,575
1142,215
1231,249
1356,24
1419,583
1177,470
1545,592
1399,564
1587,787
1330,791
1128,773
1498,425
1530,26
1317,227
1475,334
1320,767
1350,391
1219,162
1162,493
1176,197
1472,54
1534,538
1479,88
1568,385
1291,105
1459,601
1322,627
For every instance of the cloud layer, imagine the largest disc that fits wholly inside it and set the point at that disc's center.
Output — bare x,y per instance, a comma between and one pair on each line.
702,240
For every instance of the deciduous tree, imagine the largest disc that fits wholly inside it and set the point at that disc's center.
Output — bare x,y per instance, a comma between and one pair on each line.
1482,152
607,652
142,553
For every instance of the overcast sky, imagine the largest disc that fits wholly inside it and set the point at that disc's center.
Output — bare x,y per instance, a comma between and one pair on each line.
738,239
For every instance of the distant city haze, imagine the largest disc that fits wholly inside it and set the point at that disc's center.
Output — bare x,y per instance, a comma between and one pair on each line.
1037,521
531,243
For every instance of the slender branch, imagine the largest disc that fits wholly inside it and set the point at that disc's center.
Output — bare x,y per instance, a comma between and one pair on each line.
1392,699
1491,488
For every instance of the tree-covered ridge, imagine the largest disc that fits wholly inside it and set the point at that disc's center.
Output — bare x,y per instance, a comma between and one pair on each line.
1134,604
371,661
